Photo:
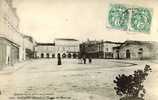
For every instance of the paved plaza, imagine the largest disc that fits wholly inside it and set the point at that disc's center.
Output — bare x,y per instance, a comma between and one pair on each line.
42,79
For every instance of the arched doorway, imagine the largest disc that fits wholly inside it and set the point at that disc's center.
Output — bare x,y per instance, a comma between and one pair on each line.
74,55
140,53
47,55
128,54
53,55
63,55
42,55
117,52
69,55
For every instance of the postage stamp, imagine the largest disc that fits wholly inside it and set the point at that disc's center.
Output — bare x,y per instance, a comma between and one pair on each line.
141,20
130,18
118,17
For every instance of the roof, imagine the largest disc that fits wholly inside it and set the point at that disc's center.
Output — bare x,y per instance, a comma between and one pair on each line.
46,44
92,42
150,44
66,39
112,42
118,47
137,42
26,36
133,42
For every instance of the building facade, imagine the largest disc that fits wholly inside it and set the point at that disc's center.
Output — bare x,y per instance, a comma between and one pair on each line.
13,44
67,48
98,49
108,49
92,49
10,38
45,50
28,47
136,50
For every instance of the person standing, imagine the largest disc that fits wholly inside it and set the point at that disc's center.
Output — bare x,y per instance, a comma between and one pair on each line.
90,60
84,59
59,59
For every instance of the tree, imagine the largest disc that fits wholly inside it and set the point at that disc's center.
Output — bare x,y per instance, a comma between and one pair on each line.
132,85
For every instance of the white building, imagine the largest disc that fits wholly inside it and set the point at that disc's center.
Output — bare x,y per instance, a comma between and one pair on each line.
98,49
13,44
45,50
11,41
108,48
67,48
136,50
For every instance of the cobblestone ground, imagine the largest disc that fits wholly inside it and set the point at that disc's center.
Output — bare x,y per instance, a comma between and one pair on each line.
42,79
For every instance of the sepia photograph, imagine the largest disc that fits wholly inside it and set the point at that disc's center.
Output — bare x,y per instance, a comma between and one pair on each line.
78,49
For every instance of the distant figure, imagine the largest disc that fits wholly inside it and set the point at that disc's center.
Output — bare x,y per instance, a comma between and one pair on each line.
59,59
84,59
90,60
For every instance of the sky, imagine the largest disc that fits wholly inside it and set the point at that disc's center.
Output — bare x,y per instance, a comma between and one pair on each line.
46,20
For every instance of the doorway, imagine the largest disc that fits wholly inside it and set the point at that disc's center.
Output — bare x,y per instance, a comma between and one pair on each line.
128,54
140,53
42,55
47,55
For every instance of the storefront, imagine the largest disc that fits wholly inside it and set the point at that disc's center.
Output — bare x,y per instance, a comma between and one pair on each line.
9,53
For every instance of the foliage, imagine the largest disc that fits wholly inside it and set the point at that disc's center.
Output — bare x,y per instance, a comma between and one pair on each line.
131,85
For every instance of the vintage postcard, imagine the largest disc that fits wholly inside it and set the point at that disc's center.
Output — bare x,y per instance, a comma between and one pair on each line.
78,49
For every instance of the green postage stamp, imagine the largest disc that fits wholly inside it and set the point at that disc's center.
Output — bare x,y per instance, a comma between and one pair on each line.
135,19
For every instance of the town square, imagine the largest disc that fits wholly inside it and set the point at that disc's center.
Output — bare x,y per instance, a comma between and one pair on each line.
78,50
70,81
